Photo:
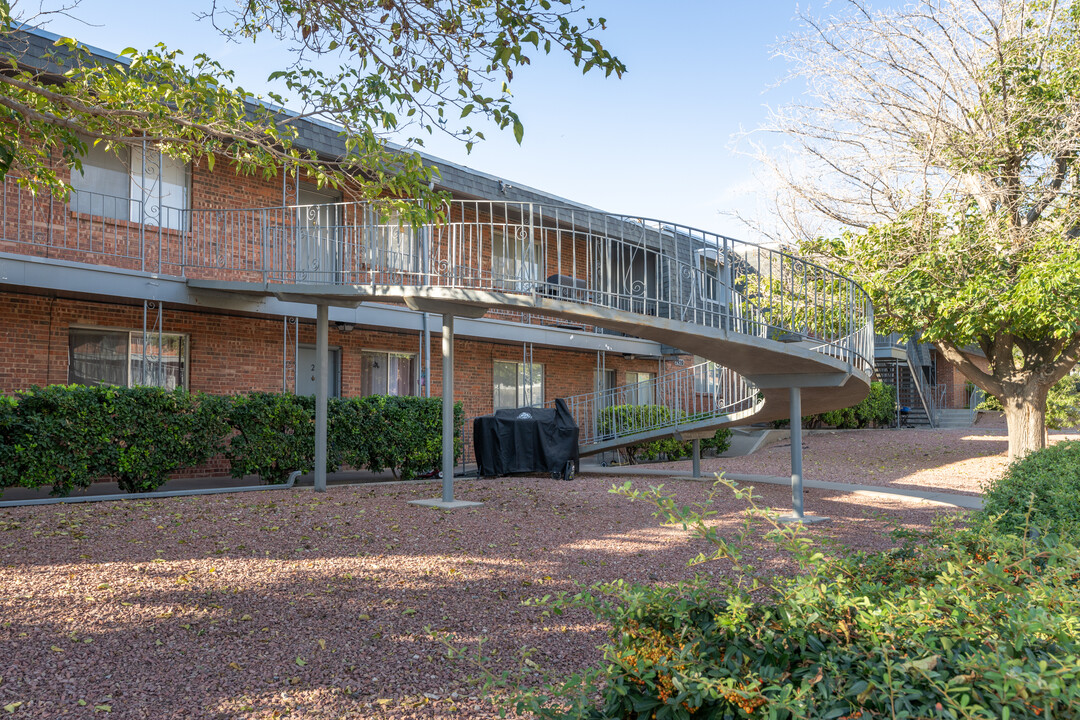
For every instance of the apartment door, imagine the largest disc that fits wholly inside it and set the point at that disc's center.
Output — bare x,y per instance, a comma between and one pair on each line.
305,371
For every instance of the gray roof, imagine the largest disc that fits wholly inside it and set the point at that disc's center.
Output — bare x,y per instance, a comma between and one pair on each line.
34,47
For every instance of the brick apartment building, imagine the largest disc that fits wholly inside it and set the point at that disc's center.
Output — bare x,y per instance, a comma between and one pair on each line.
97,289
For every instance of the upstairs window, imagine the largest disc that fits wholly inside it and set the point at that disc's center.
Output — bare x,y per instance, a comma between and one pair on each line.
128,184
390,245
514,264
119,357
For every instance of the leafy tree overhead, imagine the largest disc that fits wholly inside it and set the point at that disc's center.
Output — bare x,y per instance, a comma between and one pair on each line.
404,68
942,144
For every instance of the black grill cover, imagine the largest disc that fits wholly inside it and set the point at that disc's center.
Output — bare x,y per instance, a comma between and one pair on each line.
525,440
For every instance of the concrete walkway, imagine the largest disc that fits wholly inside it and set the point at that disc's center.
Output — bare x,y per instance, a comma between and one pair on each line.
964,501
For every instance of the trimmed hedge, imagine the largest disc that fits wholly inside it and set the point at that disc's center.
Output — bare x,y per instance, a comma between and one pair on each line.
70,436
628,418
1042,489
878,409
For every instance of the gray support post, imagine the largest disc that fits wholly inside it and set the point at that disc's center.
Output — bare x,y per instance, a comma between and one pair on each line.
448,408
796,453
322,341
447,501
796,465
696,445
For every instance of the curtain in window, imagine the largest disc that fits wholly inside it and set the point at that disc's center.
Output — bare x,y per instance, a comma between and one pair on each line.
164,366
98,357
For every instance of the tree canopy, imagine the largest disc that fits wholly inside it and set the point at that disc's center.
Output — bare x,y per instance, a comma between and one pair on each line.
402,69
938,157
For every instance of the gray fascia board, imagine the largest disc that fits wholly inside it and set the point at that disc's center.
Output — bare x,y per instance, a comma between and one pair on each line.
21,273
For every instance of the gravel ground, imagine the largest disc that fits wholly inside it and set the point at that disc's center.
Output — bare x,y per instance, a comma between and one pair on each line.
959,461
305,606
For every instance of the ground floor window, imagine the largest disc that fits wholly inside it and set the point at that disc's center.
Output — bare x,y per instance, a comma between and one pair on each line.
121,357
640,388
387,373
518,384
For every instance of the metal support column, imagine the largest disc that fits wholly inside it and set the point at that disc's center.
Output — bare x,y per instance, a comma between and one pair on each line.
322,372
448,408
696,445
447,500
796,464
796,453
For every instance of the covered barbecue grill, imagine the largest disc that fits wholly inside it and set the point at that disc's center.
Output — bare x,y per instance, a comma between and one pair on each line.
527,439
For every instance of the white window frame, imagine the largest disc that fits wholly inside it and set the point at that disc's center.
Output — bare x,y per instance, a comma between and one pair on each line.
514,262
148,198
185,339
519,384
635,384
391,245
414,389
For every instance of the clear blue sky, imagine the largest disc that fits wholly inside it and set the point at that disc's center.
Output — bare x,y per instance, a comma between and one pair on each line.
656,143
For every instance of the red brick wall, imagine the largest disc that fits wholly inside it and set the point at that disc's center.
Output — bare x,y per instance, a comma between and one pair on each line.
230,354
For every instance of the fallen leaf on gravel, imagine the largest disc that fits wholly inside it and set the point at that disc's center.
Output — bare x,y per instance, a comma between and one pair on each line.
408,611
322,644
13,707
81,703
364,617
245,618
56,648
301,662
235,666
103,708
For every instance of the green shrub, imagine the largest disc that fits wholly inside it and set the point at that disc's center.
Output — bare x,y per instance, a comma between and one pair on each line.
402,434
1045,484
274,434
876,409
70,436
622,419
720,441
952,624
155,432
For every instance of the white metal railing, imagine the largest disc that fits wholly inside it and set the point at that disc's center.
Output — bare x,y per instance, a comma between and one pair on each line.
699,396
648,267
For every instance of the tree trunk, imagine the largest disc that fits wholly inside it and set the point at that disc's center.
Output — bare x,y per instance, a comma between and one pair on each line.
1025,415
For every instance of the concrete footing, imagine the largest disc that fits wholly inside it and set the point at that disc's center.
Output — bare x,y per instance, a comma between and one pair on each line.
445,505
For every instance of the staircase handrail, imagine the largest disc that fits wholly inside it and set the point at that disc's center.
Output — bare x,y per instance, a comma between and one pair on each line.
688,396
925,397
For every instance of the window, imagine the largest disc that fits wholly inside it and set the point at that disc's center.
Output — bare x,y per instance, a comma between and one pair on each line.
118,357
518,384
708,378
391,246
513,261
149,188
639,388
387,373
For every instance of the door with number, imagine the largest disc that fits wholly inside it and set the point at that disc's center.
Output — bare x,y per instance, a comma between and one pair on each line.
305,375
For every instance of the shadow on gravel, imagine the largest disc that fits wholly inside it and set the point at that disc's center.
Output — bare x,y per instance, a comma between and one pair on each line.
326,606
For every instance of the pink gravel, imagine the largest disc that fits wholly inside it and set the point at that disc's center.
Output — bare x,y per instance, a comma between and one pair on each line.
315,606
960,461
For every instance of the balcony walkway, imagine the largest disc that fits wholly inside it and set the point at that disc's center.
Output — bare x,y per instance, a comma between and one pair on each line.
792,337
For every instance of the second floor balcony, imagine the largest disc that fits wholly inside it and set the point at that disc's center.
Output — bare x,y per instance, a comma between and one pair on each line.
636,265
